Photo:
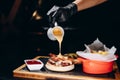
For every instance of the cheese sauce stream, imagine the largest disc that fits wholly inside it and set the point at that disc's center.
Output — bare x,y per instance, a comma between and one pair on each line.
59,36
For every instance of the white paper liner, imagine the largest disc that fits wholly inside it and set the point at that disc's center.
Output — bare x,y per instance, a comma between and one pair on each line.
97,45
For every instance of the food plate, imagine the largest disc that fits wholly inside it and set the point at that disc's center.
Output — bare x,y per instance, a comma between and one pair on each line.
34,65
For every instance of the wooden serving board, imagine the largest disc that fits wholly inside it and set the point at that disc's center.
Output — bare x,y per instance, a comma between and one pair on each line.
76,74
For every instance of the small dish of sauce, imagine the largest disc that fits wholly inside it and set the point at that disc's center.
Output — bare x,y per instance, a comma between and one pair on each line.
34,64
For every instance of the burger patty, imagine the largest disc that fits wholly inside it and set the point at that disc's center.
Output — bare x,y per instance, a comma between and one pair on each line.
60,62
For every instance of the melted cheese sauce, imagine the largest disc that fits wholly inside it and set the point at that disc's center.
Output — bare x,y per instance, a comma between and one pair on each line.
58,33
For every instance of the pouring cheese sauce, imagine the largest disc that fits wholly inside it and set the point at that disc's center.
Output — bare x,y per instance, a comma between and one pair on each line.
58,62
58,33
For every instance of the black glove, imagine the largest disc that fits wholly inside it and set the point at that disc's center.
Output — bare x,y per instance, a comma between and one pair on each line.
61,14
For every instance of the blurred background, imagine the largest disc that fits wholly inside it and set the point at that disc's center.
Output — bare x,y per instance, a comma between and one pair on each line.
24,23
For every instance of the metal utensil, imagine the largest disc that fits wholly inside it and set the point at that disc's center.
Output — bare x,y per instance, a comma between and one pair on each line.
50,32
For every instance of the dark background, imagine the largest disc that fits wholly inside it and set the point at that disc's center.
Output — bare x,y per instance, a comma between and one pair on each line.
23,39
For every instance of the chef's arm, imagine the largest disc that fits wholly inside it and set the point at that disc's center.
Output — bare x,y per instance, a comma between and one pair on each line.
84,4
62,14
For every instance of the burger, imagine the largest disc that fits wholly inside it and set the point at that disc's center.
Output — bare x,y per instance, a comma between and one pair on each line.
59,63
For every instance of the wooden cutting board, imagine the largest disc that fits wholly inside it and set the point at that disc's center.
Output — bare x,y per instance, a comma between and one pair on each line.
76,74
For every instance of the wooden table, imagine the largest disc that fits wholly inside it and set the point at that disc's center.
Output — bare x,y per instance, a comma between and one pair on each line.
23,72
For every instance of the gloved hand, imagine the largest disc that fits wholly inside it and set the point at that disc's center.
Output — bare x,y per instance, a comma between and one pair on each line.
61,14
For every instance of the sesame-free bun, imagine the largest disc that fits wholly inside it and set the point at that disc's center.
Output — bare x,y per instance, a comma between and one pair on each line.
59,68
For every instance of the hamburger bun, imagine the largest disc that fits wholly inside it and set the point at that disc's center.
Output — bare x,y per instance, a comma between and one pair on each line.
59,68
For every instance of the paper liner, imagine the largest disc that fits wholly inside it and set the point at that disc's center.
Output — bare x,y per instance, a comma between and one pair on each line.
98,45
